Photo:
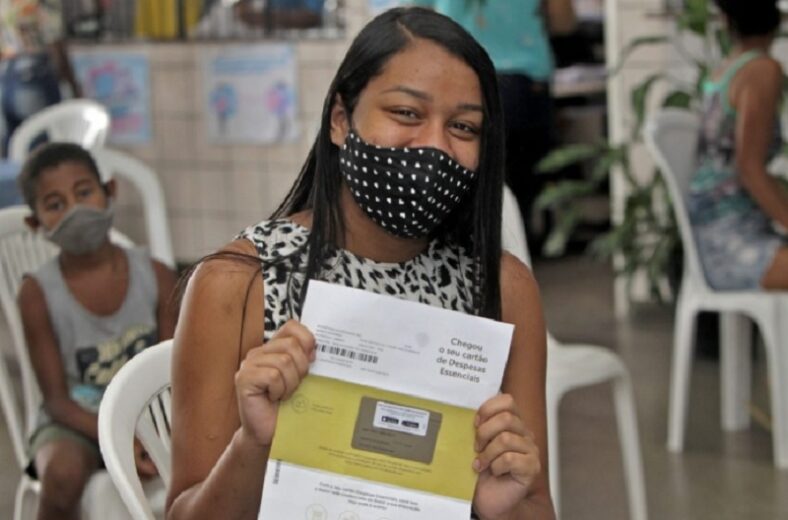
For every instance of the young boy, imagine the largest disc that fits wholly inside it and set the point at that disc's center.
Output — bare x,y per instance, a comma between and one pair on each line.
85,313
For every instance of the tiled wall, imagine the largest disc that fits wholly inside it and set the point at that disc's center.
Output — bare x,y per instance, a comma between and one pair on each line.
213,191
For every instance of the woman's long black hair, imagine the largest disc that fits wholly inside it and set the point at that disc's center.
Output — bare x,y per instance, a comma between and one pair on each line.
476,224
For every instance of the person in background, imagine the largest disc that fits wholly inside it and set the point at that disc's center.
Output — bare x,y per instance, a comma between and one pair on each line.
33,60
733,200
516,35
246,18
281,14
412,84
85,313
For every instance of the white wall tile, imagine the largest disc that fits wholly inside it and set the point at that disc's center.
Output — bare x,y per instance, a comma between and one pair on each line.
180,188
185,238
214,190
173,89
249,191
216,231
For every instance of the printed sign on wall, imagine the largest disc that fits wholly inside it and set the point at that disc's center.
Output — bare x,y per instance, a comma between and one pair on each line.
121,82
251,94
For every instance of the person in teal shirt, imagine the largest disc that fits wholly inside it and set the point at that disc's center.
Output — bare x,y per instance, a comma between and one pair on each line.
515,34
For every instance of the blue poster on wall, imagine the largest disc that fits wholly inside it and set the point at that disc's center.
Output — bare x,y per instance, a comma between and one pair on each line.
121,82
251,94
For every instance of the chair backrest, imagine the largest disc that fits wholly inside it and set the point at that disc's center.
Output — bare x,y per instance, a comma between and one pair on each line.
512,228
513,239
80,121
114,163
672,138
21,251
137,402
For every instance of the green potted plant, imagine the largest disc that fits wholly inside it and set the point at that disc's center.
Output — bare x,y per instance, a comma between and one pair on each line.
645,239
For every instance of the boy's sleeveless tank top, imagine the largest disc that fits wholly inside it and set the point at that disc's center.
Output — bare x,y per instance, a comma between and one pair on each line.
93,347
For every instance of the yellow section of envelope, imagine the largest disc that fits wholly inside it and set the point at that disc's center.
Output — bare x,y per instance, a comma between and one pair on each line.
376,435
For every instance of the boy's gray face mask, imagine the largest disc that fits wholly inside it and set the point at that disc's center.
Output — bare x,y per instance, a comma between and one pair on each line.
82,230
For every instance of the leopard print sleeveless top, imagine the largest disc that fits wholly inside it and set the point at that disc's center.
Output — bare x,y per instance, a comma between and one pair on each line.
441,276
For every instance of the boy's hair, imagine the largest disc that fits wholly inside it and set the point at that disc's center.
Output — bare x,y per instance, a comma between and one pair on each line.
48,156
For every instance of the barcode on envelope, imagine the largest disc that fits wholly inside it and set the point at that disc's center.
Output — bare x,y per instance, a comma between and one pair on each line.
350,354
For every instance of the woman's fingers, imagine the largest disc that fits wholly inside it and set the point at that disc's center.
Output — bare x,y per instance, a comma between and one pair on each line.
256,379
301,334
505,446
496,415
495,405
277,367
503,443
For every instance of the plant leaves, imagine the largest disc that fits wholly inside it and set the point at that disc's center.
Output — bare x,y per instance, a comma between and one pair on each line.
558,194
566,222
639,97
612,156
695,17
565,156
724,41
634,44
677,99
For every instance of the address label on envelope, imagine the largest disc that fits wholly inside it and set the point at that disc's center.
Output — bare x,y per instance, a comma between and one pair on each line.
397,431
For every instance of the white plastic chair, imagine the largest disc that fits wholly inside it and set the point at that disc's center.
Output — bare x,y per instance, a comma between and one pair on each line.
114,163
577,365
80,121
137,400
671,136
22,251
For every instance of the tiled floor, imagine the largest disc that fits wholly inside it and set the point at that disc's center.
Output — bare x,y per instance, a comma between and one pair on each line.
719,477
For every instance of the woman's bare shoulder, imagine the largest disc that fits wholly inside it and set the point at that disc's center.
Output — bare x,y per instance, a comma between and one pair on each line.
225,279
763,71
514,271
519,290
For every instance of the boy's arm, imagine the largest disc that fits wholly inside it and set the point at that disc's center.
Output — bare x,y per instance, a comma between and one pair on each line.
166,313
47,363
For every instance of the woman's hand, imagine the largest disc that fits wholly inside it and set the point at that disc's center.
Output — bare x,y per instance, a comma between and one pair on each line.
143,462
271,373
507,460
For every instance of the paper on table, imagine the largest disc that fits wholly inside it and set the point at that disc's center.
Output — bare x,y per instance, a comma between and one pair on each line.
382,428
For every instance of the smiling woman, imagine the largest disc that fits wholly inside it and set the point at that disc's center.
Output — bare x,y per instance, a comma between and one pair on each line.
401,195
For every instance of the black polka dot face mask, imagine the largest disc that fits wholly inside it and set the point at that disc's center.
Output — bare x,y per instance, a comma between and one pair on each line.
406,191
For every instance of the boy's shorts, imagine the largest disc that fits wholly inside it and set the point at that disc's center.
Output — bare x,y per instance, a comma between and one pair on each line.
50,432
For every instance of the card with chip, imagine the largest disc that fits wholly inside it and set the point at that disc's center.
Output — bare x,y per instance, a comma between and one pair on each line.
395,430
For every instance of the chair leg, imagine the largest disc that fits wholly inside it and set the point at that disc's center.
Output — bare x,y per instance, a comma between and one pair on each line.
735,371
26,501
626,418
683,340
776,343
554,463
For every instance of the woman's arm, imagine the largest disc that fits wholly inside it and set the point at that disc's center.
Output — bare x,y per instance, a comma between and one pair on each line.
47,364
221,368
756,94
524,388
560,15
